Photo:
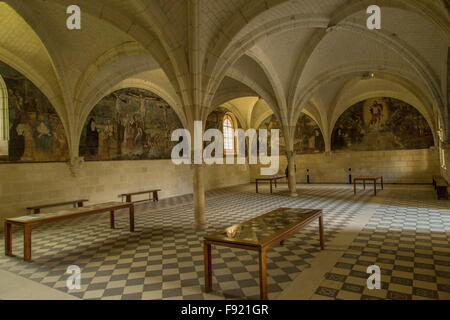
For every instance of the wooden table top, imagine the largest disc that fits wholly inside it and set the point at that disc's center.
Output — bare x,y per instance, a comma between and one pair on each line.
68,213
262,230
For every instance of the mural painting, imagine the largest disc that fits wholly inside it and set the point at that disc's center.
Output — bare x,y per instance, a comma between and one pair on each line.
129,124
308,136
381,124
36,133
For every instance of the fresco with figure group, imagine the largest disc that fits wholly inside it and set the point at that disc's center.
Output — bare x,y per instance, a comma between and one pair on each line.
308,136
129,124
36,133
381,124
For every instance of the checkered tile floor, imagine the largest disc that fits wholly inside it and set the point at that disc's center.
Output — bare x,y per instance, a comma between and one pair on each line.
409,239
163,259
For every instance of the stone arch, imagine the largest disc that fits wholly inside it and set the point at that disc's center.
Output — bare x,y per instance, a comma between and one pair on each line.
357,70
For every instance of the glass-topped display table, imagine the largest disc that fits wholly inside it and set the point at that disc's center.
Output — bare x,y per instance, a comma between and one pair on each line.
260,234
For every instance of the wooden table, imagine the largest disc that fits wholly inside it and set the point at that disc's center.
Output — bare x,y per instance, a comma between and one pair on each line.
364,179
270,179
28,222
260,234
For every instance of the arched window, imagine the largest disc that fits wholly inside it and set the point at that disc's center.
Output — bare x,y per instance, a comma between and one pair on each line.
228,134
4,119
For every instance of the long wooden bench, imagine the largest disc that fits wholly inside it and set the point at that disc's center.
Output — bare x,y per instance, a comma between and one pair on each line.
75,203
440,184
128,196
30,221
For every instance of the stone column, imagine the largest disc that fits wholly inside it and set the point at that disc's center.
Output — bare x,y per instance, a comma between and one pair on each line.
289,138
292,180
199,196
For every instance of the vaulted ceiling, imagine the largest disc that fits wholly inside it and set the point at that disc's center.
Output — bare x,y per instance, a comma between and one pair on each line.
254,56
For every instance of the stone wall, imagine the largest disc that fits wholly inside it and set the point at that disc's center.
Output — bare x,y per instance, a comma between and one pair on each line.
24,185
399,166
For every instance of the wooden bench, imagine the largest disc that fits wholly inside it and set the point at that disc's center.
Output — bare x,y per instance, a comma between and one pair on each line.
128,196
440,185
75,203
30,221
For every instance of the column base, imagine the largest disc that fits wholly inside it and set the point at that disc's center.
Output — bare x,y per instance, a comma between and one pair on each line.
201,227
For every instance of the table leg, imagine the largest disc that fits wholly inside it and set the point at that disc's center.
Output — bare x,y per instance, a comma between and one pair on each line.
322,242
128,198
155,196
132,218
271,190
256,186
27,242
8,239
208,266
375,186
263,274
382,184
112,220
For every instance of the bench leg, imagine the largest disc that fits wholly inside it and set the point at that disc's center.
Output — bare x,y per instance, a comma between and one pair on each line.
375,187
132,219
80,204
208,266
128,198
27,242
354,187
263,274
112,220
155,196
271,190
256,183
322,242
382,184
8,239
364,184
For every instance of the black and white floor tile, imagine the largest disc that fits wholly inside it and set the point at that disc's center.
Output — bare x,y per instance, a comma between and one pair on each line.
409,239
163,259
